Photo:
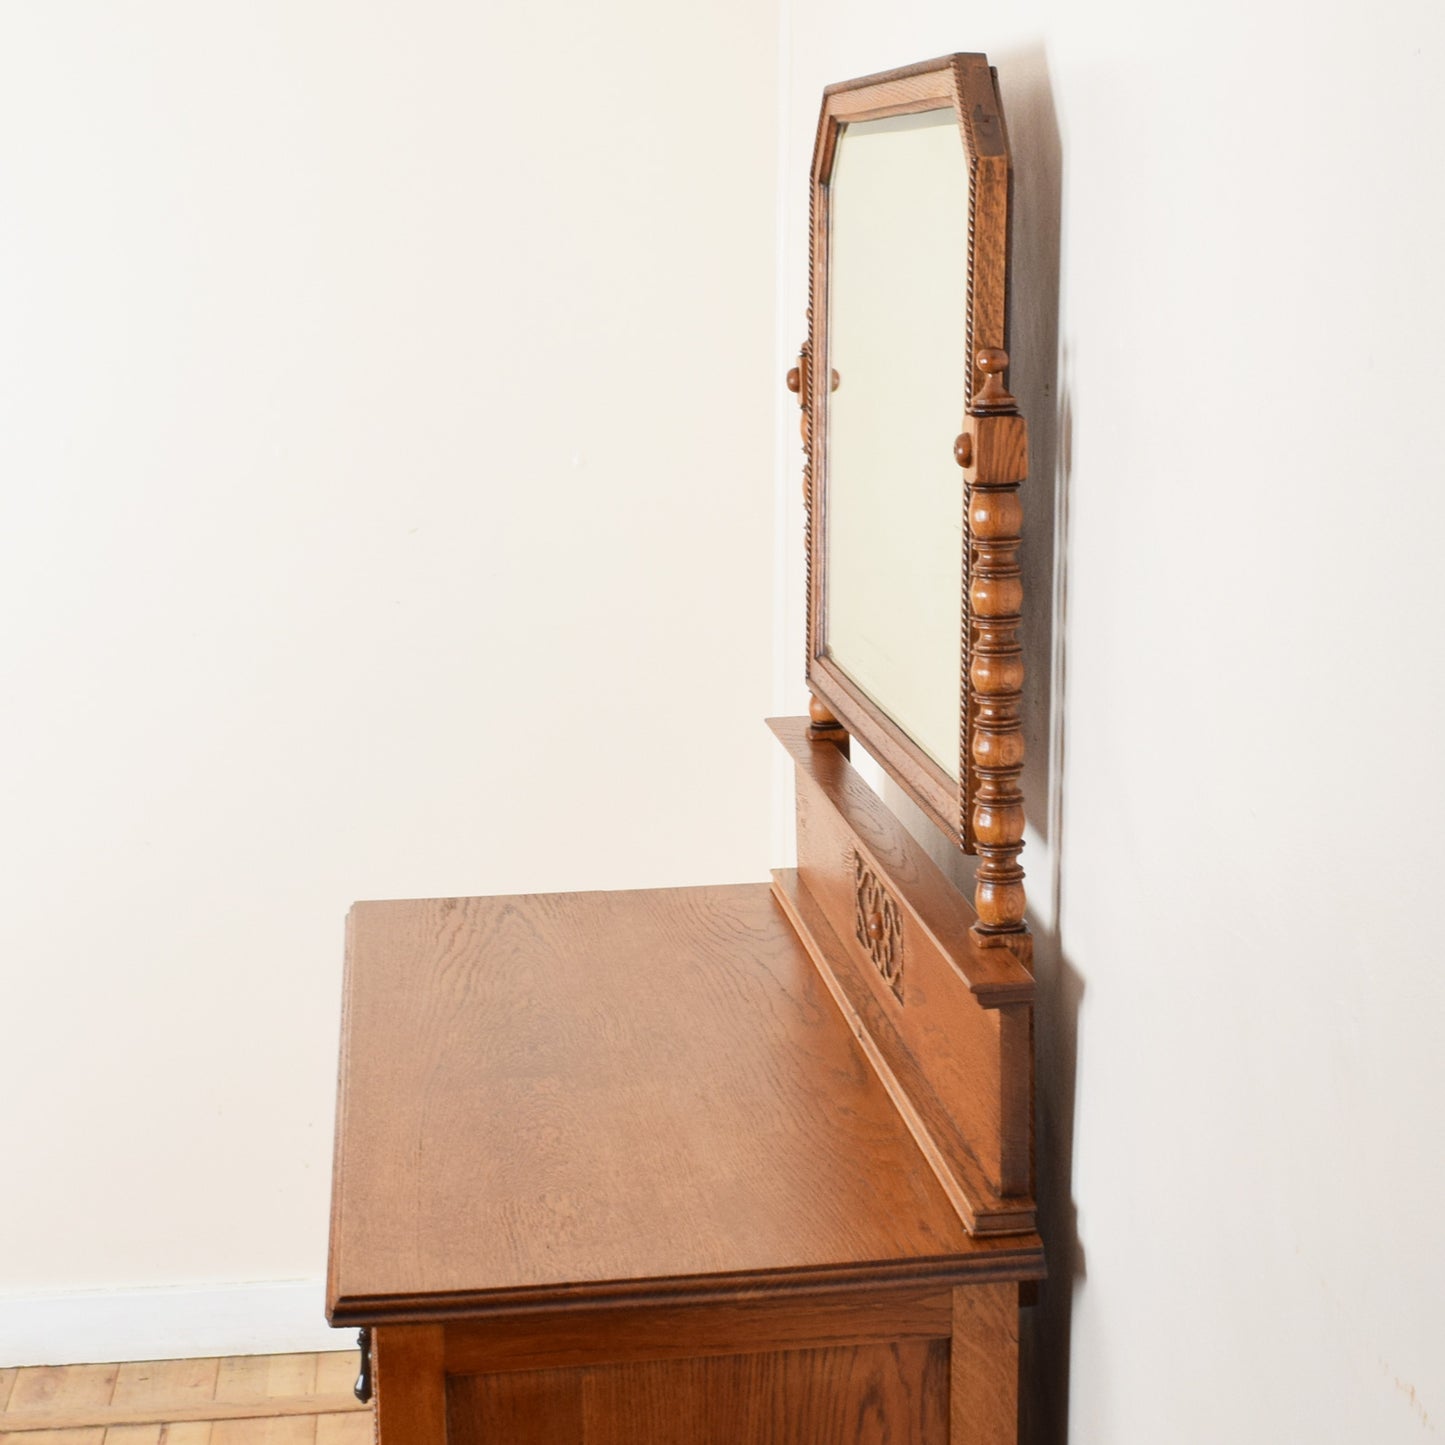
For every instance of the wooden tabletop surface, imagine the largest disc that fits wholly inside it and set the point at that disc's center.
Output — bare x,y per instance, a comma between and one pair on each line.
616,1095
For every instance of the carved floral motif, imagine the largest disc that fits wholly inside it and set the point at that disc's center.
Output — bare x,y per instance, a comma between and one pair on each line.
878,925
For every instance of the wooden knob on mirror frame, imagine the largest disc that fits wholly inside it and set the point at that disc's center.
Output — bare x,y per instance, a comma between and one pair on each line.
992,361
963,449
795,380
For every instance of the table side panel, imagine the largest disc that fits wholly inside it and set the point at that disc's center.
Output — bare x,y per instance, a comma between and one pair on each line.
896,1392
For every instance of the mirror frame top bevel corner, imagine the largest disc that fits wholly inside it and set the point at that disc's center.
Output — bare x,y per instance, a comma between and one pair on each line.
965,84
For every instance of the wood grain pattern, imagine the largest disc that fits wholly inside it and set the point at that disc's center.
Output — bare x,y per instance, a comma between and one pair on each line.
865,1395
263,1377
160,1383
555,1339
43,1387
353,1427
336,1373
655,1091
983,1366
928,85
956,1154
411,1406
134,1434
994,976
953,1045
191,1432
79,1435
265,1430
862,1393
537,1407
993,451
71,1416
67,1416
182,1398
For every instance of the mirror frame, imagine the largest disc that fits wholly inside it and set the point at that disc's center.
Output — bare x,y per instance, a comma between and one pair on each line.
966,84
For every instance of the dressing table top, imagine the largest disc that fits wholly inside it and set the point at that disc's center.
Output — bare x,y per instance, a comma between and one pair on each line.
627,1096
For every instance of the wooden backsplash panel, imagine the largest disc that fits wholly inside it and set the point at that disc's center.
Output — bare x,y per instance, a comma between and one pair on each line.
947,1022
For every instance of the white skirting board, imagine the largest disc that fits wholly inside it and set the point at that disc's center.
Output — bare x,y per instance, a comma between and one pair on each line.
100,1326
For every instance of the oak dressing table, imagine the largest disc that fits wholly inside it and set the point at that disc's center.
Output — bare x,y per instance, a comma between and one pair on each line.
746,1163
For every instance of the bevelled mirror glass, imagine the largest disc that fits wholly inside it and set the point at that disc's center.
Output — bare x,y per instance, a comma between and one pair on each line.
897,308
906,330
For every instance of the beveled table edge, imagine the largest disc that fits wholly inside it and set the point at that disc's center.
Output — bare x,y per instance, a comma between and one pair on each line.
998,1259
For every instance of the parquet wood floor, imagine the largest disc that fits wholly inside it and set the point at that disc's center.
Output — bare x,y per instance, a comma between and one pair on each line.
238,1400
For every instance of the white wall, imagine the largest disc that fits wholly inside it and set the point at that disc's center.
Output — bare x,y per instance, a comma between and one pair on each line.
386,426
1239,693
385,412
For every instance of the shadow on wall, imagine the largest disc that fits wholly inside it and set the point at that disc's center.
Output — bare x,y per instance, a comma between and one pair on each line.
1039,379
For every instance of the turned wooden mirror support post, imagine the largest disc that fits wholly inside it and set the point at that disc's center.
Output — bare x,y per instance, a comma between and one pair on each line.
993,451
